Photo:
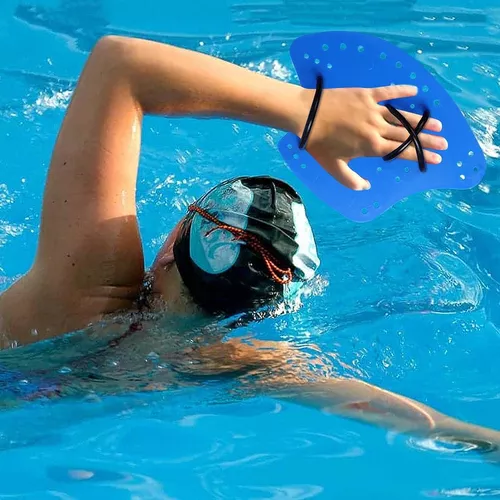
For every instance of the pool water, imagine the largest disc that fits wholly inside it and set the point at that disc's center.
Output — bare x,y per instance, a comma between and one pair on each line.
409,301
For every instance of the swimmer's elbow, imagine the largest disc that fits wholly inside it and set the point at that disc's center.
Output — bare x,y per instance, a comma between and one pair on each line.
109,53
134,64
110,44
111,67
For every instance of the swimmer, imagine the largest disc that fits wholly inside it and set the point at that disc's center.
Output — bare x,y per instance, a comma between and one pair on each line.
245,244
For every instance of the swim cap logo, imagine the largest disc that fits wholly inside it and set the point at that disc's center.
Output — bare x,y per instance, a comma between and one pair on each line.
306,258
215,250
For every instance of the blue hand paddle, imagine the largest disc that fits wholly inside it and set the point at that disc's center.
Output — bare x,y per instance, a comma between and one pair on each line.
344,59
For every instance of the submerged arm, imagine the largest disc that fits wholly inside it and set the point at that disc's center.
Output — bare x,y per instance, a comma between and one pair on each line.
285,372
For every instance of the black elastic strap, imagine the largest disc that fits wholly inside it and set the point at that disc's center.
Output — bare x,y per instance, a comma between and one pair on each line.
312,113
412,139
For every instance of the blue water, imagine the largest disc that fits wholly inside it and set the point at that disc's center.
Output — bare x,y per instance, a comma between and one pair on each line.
409,302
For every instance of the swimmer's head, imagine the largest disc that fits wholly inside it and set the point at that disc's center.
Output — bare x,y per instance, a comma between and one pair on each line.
243,245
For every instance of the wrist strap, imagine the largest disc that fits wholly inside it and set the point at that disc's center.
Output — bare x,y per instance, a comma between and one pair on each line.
312,113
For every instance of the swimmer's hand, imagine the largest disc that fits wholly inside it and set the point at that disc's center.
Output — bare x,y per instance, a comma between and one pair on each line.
351,123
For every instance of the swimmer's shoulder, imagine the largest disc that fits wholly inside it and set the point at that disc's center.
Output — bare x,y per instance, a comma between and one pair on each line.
33,310
17,311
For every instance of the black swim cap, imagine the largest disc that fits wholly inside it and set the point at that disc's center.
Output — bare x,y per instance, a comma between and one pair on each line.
245,243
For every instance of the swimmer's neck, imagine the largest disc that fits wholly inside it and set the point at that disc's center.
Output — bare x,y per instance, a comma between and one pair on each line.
164,291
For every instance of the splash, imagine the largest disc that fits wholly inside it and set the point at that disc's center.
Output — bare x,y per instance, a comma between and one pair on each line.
47,100
270,67
485,123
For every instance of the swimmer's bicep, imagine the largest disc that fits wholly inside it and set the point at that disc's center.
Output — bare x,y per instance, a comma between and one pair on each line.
89,228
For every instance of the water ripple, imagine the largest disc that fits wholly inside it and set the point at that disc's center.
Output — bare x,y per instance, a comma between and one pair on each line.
295,491
464,491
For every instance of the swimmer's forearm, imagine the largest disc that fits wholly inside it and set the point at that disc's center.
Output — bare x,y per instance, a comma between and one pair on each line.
168,80
358,400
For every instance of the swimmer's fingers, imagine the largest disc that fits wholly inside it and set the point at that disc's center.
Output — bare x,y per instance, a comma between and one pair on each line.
341,171
393,92
428,141
410,154
432,124
397,92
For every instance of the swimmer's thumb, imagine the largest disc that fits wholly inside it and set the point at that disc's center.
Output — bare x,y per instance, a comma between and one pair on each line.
341,171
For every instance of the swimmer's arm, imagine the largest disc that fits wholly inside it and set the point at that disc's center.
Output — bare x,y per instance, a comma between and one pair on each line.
283,371
90,259
89,236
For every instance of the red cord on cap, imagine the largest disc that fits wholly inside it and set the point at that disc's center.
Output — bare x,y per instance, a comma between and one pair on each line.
252,241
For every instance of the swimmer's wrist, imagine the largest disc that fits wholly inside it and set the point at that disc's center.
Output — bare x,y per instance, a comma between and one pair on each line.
275,104
298,105
302,107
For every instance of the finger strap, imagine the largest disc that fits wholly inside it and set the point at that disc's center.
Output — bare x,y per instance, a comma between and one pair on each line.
413,138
